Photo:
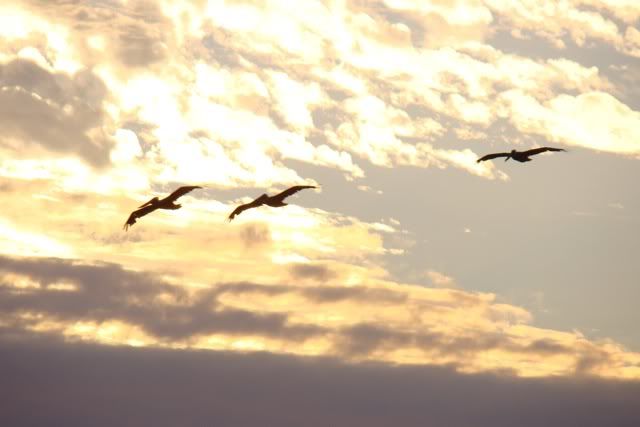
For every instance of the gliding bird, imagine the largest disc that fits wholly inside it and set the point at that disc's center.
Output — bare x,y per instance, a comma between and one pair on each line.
520,156
273,201
155,203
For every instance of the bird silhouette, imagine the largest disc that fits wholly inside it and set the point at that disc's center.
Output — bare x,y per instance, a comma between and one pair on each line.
273,201
520,156
155,203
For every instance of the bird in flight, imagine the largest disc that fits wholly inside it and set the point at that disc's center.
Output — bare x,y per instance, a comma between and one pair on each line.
273,201
520,156
155,203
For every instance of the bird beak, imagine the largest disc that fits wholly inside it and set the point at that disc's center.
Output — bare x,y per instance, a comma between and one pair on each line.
146,204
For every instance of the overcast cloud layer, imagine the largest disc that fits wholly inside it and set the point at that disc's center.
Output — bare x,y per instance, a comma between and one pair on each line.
229,389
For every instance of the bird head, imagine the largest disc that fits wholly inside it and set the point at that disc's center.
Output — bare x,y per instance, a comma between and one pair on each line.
510,155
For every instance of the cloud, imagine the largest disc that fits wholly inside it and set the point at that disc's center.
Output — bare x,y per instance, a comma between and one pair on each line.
194,243
440,280
627,11
393,323
107,292
287,391
333,87
581,21
594,120
456,22
60,112
244,94
320,273
138,46
255,234
18,241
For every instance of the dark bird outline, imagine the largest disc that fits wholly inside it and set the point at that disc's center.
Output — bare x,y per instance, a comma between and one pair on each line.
520,156
273,201
156,203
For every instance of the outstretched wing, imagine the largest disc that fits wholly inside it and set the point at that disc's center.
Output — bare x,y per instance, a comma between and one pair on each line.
492,156
288,192
180,192
541,150
239,210
253,204
138,213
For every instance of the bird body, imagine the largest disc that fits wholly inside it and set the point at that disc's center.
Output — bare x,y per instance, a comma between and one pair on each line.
168,203
276,201
520,156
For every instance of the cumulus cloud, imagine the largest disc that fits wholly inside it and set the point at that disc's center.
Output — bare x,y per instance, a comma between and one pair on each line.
335,86
61,113
595,120
581,21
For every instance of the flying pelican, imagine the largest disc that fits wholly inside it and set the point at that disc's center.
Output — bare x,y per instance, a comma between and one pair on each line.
520,156
273,201
155,203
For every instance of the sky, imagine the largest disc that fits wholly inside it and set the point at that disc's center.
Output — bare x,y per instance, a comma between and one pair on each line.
411,282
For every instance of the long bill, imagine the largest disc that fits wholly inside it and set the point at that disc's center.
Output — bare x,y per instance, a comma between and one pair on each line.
148,203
